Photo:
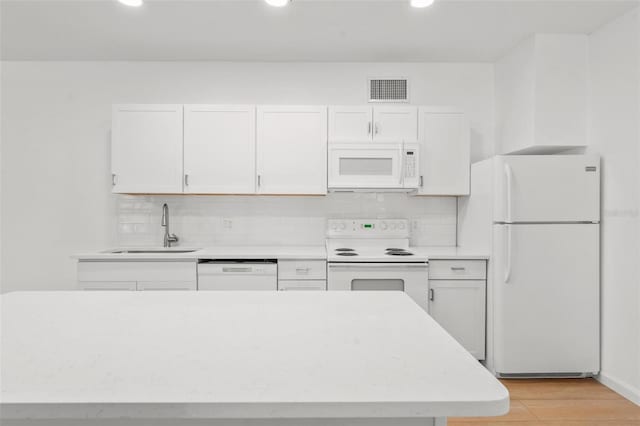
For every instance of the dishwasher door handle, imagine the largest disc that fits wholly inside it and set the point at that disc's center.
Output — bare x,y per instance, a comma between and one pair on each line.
235,269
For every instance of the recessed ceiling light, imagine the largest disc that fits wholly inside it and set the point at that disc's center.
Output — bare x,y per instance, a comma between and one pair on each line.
132,3
278,3
421,3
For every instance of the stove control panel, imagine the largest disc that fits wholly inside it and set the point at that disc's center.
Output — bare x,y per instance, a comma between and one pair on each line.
368,228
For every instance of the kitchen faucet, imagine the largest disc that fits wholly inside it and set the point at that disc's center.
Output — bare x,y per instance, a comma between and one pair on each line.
168,237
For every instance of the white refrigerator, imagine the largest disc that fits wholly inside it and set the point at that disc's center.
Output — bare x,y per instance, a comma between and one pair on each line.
538,216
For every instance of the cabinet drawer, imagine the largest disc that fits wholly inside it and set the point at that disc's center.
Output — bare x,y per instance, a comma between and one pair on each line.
302,269
167,286
457,269
107,285
161,271
302,285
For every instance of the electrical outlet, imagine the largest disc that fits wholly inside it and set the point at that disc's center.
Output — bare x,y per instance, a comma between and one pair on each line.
227,224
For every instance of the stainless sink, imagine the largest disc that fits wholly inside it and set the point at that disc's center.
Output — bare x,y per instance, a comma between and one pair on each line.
152,251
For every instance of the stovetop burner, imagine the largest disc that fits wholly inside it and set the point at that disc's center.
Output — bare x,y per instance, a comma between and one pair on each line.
347,253
343,249
395,249
399,253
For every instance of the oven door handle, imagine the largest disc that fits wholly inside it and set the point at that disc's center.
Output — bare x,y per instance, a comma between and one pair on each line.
366,266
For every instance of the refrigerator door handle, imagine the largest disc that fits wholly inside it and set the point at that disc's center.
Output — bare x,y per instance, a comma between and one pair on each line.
509,174
507,272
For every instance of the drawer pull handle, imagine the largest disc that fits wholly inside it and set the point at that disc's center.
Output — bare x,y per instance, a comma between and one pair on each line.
458,268
431,294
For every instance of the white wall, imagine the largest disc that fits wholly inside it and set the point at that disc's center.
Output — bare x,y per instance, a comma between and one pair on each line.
515,97
541,95
55,162
614,133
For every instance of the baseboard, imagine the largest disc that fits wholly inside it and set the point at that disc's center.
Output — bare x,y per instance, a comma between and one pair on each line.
618,386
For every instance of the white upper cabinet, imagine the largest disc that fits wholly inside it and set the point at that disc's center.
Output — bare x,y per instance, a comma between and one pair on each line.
147,149
444,152
279,150
219,149
395,124
350,123
381,123
292,150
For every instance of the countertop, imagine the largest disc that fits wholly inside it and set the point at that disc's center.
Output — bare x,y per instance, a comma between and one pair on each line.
268,252
234,355
440,253
225,252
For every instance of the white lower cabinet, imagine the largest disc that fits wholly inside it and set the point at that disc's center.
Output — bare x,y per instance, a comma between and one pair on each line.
137,275
302,275
459,305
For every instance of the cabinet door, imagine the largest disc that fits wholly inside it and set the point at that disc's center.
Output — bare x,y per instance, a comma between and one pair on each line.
459,307
445,153
167,286
292,150
395,124
147,149
350,123
219,149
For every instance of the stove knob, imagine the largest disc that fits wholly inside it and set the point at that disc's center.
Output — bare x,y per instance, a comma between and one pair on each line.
401,225
343,226
393,226
383,226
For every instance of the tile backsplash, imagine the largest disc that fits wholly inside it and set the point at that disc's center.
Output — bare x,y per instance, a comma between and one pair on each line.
260,220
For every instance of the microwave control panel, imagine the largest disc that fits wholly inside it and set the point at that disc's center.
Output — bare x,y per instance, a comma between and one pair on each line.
410,164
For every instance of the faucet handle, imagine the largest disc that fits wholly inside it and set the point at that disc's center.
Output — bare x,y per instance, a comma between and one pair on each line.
165,210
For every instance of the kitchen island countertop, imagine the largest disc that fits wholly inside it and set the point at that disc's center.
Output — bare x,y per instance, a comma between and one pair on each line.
225,355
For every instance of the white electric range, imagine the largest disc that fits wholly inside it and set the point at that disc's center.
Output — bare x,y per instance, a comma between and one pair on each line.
374,255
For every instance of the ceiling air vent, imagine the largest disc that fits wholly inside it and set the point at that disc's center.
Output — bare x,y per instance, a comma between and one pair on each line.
388,90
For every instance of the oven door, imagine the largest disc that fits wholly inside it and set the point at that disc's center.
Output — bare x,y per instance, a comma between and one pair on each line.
365,166
412,278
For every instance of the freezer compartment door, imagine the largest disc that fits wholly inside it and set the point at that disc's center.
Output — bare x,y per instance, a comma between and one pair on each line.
546,299
547,188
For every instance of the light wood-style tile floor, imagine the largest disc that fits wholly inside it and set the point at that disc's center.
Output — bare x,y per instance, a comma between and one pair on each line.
556,402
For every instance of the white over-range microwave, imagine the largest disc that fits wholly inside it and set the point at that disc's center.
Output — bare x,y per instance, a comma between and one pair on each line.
373,167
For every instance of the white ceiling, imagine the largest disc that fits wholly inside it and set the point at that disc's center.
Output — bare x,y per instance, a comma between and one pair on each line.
307,30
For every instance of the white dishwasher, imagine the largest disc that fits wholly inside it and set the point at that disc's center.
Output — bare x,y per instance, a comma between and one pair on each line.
245,275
